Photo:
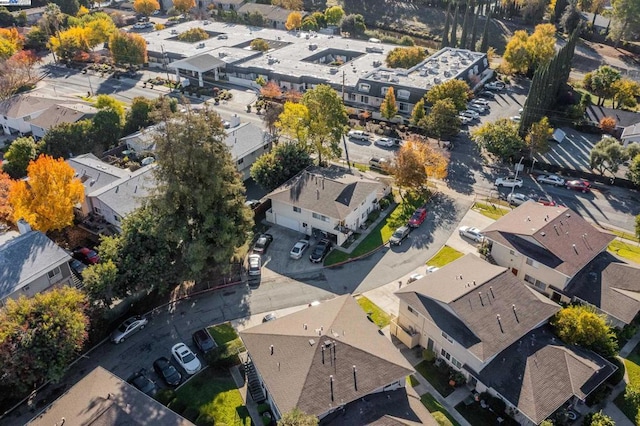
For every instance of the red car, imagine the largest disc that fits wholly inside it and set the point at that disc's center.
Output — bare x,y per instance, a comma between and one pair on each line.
546,202
86,256
578,185
418,217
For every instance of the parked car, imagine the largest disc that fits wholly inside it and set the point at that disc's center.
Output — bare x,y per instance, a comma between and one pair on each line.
477,108
471,233
203,340
480,101
418,217
464,119
517,199
320,251
515,118
486,95
186,358
86,255
252,204
143,383
579,185
359,135
508,182
472,114
414,277
551,180
495,85
546,201
378,162
269,317
386,142
262,243
77,267
128,327
298,249
399,235
255,265
167,371
431,269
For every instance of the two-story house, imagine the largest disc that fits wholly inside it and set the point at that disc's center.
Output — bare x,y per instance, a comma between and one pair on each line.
327,200
30,263
545,246
483,321
17,112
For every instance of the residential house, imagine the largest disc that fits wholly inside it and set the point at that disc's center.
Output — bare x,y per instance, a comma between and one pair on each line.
30,263
325,200
60,113
17,112
111,193
323,358
610,285
246,142
630,134
483,321
274,16
228,4
545,246
33,14
623,118
102,398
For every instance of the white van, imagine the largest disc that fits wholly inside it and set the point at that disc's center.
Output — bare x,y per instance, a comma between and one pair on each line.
358,134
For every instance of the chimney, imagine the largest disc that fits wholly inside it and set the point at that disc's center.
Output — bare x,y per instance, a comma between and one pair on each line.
23,227
574,248
304,326
556,228
480,295
234,121
474,283
499,322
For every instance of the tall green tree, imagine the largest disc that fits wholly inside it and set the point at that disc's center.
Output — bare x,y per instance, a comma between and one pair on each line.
447,23
484,45
500,138
274,168
601,82
537,138
582,325
626,19
68,139
327,121
100,282
607,155
474,25
456,90
40,336
465,23
633,174
202,214
17,158
454,25
333,15
353,24
109,103
138,116
418,112
106,128
442,120
389,107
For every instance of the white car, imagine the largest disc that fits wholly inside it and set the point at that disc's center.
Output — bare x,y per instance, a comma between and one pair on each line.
414,277
255,265
186,358
298,249
517,198
358,134
551,180
515,118
508,182
431,269
140,26
385,142
471,233
127,328
464,119
480,101
495,85
469,113
477,107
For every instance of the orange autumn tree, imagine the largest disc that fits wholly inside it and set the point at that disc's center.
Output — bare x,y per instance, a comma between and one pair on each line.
6,212
607,124
271,90
416,162
45,201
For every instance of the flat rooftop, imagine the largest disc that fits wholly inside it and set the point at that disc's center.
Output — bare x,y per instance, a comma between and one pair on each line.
299,54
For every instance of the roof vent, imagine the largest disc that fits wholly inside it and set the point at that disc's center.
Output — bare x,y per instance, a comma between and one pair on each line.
574,248
312,342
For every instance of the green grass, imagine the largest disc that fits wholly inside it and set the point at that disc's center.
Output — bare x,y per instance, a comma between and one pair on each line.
632,365
439,379
214,392
439,413
625,250
490,210
411,379
444,256
478,416
380,234
625,235
378,316
223,333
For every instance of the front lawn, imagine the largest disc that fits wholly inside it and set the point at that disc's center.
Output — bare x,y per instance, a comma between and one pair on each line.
478,416
625,250
380,234
377,315
632,364
445,255
439,413
490,210
229,345
213,394
438,377
223,333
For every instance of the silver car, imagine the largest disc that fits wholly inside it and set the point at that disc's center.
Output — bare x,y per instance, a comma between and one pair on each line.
398,237
255,264
471,233
298,249
551,180
517,199
127,328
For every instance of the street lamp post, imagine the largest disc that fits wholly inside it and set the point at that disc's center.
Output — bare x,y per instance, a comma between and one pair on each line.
90,85
513,188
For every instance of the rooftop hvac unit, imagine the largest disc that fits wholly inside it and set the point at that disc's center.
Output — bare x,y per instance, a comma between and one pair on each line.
200,45
376,76
222,54
394,79
313,46
333,70
377,63
384,75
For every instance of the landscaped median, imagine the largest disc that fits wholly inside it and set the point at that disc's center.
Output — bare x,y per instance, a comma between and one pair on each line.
375,314
445,255
490,209
380,234
628,400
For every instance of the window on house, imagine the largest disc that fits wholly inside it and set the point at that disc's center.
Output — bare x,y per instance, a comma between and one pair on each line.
240,161
320,217
364,215
445,354
403,107
455,362
403,94
97,210
364,99
54,272
413,311
383,91
532,262
297,209
446,336
529,279
540,285
363,87
352,97
117,218
265,147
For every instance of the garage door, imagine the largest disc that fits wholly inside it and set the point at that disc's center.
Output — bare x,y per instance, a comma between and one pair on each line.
288,222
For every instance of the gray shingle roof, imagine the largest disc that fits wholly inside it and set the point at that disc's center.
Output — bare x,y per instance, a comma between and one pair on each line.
623,118
467,309
332,192
95,173
25,258
58,114
298,372
556,236
127,194
538,373
611,285
101,398
19,106
244,139
275,13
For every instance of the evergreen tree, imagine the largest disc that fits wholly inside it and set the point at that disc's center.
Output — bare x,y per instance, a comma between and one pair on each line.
474,27
465,23
454,27
485,33
389,107
418,112
447,23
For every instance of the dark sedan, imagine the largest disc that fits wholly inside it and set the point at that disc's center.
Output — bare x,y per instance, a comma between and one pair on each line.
320,251
168,372
202,339
143,383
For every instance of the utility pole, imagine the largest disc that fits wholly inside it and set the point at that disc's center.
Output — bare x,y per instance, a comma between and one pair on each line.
344,140
513,188
164,63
